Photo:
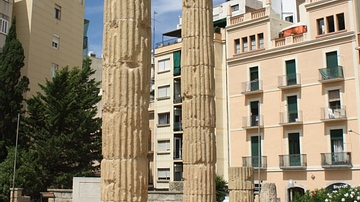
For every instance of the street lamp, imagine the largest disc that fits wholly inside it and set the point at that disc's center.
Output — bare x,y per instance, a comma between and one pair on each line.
291,185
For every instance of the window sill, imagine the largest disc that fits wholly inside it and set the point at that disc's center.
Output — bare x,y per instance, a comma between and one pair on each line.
165,71
248,52
162,98
162,152
163,125
331,33
163,181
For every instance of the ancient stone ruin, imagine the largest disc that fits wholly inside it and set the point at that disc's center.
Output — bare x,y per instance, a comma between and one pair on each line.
198,92
125,98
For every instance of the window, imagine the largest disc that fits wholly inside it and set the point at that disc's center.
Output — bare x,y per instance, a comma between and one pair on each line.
294,149
321,26
237,46
164,118
261,40
57,12
245,44
177,146
164,65
290,72
254,78
292,109
54,68
164,92
255,146
289,18
164,174
235,8
3,26
55,41
337,143
341,21
334,99
164,146
330,24
253,42
254,110
178,170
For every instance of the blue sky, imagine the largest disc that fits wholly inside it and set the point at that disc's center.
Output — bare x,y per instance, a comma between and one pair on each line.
167,17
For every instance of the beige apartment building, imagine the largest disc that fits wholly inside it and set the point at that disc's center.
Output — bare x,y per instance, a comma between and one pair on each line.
294,96
166,111
51,33
6,9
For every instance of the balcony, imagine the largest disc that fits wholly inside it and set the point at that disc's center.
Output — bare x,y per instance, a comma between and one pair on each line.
291,118
252,161
336,160
250,122
293,161
332,74
177,126
289,81
252,87
289,40
177,98
249,16
330,114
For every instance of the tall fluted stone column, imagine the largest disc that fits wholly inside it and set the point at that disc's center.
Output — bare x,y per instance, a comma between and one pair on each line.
198,106
126,86
241,184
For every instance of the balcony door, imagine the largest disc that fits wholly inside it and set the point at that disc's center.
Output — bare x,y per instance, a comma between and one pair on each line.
178,147
292,108
332,65
254,78
337,146
254,116
255,151
290,72
294,150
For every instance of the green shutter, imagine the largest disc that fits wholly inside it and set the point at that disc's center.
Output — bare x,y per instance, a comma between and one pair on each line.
291,72
294,144
332,59
292,108
177,62
255,151
254,78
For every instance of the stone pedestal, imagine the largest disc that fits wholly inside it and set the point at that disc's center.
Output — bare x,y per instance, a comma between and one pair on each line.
125,98
241,184
268,193
198,106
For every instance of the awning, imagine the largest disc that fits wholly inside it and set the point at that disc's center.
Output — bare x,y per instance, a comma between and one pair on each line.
294,25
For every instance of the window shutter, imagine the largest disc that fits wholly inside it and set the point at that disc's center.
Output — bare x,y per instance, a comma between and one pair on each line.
334,95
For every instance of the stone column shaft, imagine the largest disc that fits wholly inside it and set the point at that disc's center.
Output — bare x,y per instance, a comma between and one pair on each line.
198,106
125,98
241,184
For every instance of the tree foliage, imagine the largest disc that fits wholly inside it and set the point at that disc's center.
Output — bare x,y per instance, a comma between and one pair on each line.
220,188
65,134
12,88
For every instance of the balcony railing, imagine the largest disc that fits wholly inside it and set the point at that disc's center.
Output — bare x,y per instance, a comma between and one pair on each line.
293,161
177,126
331,74
333,114
252,121
177,71
289,81
292,39
177,98
249,16
168,42
294,117
252,87
336,159
253,161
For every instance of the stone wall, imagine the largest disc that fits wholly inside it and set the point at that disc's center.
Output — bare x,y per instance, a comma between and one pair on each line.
164,196
61,195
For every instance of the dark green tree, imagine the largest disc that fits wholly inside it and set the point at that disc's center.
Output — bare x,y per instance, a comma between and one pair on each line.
26,174
12,88
61,122
220,188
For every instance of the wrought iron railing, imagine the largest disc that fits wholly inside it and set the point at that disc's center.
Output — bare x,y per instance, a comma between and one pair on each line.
177,126
333,113
289,80
291,117
253,161
331,73
252,121
292,161
336,159
251,86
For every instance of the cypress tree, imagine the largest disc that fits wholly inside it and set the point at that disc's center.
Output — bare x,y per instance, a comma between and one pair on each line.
12,89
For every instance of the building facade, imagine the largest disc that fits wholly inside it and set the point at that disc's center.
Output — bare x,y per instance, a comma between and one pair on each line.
294,96
51,33
6,9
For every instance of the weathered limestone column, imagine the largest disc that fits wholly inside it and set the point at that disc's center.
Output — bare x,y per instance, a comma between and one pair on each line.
126,86
198,106
268,193
241,184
